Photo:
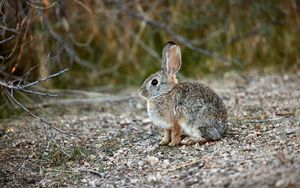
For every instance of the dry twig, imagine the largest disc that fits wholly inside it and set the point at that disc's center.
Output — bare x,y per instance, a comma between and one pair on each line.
186,165
67,46
90,171
5,40
9,89
187,42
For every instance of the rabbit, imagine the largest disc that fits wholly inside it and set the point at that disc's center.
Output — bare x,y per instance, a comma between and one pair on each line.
186,108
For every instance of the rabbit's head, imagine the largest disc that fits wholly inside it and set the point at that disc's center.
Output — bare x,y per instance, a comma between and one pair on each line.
164,80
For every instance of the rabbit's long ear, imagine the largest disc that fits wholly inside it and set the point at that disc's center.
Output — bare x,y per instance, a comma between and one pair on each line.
171,58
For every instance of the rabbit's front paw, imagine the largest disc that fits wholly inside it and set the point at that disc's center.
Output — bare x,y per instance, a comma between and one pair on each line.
167,138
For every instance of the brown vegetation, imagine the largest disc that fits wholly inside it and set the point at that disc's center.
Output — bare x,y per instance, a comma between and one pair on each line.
113,41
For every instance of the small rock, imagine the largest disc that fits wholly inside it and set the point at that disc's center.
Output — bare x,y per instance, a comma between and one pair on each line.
151,178
129,164
92,183
69,163
250,137
146,121
215,170
86,164
109,119
84,180
151,148
152,160
280,183
134,181
140,163
125,121
166,163
92,157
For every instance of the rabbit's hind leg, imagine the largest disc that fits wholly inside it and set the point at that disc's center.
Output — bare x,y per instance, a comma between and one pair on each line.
194,135
191,141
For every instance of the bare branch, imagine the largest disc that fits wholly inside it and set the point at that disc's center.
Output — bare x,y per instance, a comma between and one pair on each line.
90,171
152,52
22,87
186,165
5,40
187,42
70,51
8,29
9,89
44,79
39,93
10,95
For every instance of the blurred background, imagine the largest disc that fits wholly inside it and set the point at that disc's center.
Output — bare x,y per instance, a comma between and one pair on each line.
117,44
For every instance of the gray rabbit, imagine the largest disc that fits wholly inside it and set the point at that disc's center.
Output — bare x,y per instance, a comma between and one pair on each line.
182,108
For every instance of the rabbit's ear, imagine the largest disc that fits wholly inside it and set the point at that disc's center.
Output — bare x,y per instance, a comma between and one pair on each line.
171,58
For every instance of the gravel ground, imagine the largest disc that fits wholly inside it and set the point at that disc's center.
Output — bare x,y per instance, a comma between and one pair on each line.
116,145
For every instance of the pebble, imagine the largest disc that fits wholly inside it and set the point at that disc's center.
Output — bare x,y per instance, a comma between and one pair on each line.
151,178
84,180
92,157
140,163
280,183
92,183
152,160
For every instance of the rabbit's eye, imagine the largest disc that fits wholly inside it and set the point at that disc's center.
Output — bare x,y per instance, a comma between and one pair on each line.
154,82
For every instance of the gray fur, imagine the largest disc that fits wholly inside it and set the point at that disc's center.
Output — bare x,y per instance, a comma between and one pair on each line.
203,108
198,110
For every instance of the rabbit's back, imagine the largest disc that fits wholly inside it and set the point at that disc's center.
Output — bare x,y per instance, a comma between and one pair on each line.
200,106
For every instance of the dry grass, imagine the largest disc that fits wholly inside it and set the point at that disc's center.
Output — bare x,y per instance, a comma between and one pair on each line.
118,43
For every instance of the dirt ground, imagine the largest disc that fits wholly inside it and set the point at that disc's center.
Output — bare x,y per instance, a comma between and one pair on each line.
114,144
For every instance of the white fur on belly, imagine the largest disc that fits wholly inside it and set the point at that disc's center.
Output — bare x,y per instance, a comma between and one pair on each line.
192,132
157,119
159,122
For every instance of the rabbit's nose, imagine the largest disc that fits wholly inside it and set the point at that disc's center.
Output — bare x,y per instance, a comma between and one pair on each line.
142,92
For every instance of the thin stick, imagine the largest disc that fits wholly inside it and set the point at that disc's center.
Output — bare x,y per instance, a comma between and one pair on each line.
39,93
22,87
90,171
10,86
185,165
27,73
3,41
178,37
68,47
44,79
